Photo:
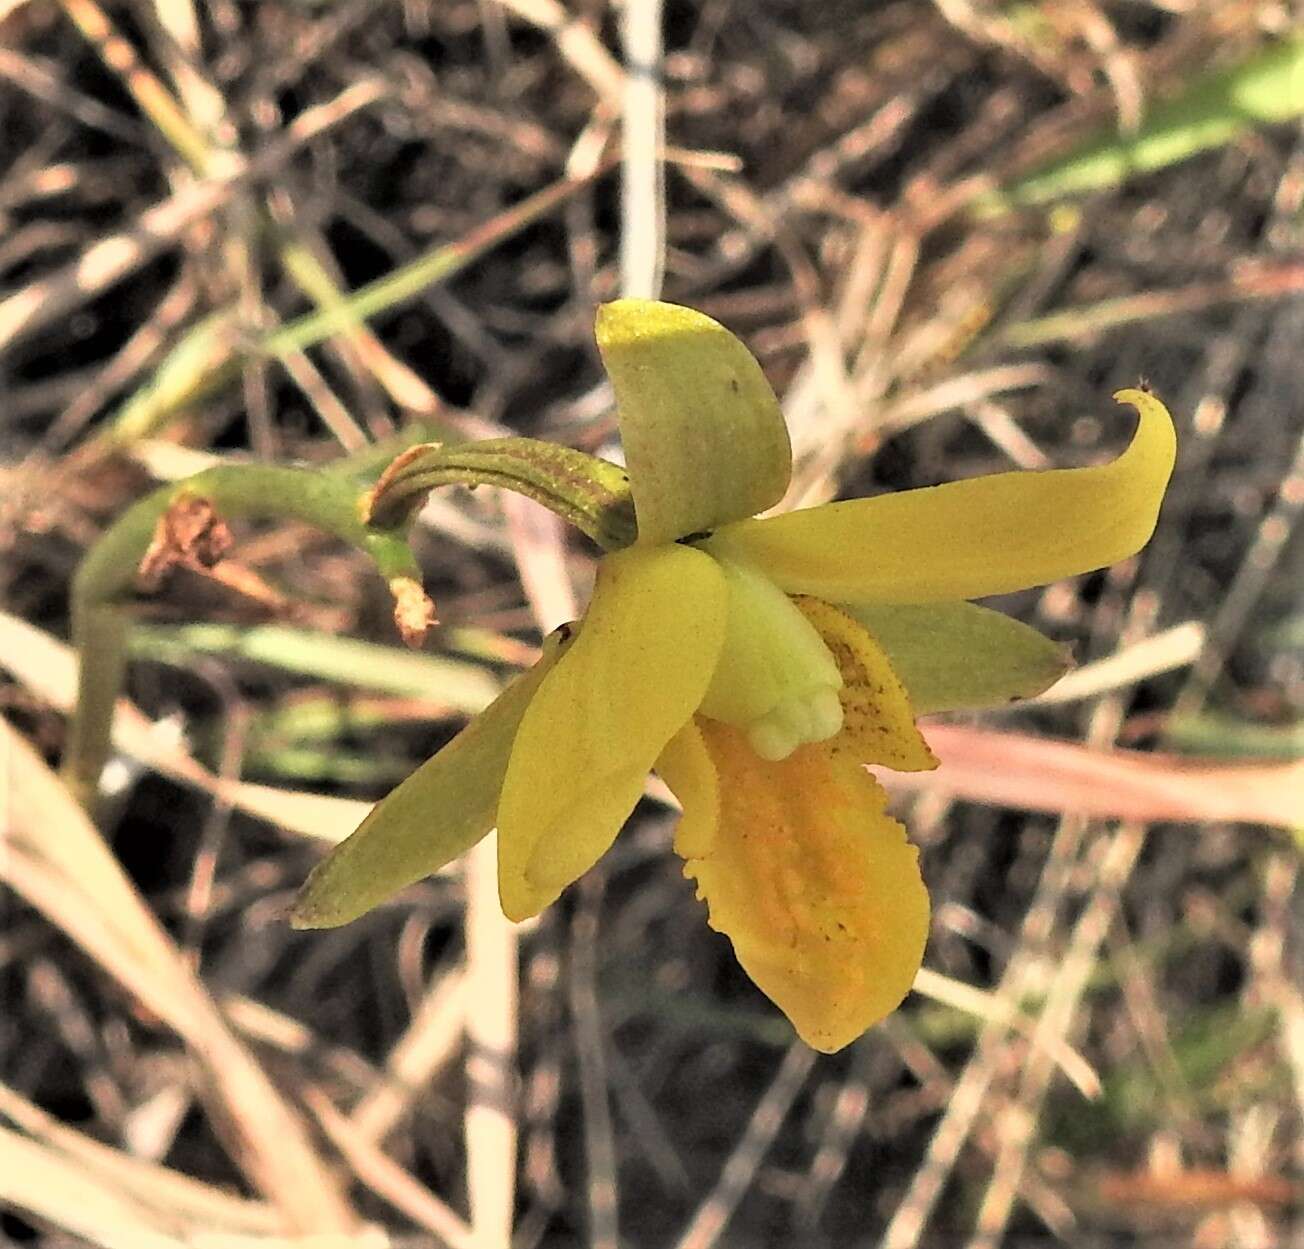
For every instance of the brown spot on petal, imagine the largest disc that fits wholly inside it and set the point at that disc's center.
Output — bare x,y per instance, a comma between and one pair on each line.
878,723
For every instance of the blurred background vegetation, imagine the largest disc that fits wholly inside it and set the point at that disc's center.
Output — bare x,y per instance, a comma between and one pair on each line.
315,231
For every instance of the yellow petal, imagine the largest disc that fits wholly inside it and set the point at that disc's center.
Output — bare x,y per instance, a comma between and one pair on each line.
438,813
989,535
878,722
957,656
704,439
816,887
631,679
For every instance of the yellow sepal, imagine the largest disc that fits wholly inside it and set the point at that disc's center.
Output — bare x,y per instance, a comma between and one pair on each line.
957,656
438,813
705,441
967,539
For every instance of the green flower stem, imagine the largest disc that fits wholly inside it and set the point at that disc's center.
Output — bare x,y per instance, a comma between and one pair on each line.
590,493
106,579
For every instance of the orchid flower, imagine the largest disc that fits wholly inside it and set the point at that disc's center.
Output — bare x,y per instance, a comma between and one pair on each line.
757,664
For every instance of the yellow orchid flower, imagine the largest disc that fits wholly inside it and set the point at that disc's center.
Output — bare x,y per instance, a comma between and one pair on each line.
757,664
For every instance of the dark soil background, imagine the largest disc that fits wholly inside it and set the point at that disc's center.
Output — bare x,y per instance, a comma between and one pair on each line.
822,165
